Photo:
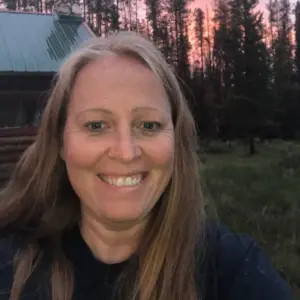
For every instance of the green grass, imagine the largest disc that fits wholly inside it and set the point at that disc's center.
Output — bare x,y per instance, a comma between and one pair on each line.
260,195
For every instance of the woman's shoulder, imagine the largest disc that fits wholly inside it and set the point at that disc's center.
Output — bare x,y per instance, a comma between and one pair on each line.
241,269
9,246
36,286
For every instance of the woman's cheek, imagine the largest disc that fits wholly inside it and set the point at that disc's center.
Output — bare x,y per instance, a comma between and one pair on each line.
83,150
161,149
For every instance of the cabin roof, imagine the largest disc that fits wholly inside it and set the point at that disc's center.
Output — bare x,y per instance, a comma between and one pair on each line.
33,42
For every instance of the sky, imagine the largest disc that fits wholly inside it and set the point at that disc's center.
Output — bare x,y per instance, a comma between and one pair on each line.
208,3
201,3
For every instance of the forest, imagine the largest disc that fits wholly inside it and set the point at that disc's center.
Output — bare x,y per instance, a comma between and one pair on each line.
239,64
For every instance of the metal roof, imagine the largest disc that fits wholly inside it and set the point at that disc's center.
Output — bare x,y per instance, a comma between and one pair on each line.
32,42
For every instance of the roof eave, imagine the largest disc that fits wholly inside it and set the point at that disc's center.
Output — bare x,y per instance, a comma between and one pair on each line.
23,73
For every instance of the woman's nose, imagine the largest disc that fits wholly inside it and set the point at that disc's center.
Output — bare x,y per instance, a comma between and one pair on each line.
124,147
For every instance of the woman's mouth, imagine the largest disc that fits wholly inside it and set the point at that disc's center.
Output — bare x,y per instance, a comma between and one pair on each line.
123,181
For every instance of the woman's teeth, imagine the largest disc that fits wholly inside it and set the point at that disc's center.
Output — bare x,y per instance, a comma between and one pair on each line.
122,180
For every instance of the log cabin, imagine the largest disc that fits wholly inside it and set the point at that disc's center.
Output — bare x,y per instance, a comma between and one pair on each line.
32,48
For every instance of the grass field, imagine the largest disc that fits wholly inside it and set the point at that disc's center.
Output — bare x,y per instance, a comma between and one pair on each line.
259,195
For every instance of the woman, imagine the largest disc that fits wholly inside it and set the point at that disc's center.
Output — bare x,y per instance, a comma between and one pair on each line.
106,203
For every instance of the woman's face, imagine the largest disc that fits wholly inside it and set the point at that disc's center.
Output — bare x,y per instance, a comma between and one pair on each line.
118,141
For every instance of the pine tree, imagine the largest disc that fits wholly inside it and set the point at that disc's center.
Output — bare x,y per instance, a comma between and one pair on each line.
164,36
114,18
222,50
103,16
273,9
11,4
154,15
283,60
128,11
178,14
297,30
199,34
284,89
247,48
249,63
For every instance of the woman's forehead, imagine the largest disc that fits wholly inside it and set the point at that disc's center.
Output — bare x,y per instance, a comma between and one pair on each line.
118,81
112,62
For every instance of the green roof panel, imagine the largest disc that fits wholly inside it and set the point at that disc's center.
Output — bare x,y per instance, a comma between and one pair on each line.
38,42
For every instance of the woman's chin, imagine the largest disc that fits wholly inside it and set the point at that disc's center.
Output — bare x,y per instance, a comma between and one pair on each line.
123,216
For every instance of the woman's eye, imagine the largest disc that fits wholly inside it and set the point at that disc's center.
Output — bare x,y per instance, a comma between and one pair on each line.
151,126
95,125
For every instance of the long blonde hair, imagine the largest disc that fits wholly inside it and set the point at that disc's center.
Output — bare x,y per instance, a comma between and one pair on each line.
39,192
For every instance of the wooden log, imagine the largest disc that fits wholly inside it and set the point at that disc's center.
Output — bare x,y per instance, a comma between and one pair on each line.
2,184
7,167
9,157
13,148
18,131
4,177
17,140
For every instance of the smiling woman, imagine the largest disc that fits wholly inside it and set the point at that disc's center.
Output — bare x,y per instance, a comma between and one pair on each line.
118,157
106,204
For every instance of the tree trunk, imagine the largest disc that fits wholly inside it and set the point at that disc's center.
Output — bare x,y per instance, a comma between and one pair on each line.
99,17
176,33
251,145
154,21
130,14
84,10
136,16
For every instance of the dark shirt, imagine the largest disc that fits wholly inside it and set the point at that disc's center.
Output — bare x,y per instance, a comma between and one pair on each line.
237,270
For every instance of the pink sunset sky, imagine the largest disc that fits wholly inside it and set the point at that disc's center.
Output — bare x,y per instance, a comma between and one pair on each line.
208,3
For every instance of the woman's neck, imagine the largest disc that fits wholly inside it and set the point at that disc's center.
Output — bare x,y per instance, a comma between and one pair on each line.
111,243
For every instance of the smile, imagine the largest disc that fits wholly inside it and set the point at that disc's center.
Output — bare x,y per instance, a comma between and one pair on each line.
122,181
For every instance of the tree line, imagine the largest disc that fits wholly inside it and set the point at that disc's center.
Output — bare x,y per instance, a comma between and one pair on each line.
240,73
251,73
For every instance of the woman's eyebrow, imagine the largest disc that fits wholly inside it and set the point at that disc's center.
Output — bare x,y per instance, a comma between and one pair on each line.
147,108
94,110
106,111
